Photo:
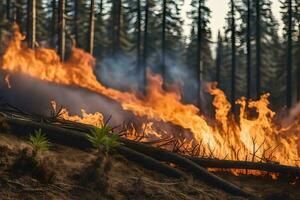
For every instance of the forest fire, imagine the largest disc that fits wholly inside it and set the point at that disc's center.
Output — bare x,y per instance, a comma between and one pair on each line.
247,138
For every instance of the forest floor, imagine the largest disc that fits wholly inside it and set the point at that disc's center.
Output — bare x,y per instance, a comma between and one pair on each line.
63,173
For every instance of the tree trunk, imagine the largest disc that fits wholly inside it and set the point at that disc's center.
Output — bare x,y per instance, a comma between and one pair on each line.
198,57
91,27
145,44
258,48
163,43
138,42
219,58
289,57
117,46
298,67
8,6
76,22
248,49
233,56
18,7
61,34
53,23
31,23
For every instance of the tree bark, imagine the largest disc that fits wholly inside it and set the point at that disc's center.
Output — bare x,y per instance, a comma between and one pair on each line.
8,7
258,47
249,49
53,23
31,23
76,22
138,42
198,57
298,66
233,54
117,26
163,43
145,45
91,28
61,30
289,57
219,58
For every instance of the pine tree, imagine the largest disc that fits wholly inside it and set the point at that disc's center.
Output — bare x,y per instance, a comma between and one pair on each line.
258,5
233,52
171,34
91,27
219,57
289,17
198,54
31,23
62,27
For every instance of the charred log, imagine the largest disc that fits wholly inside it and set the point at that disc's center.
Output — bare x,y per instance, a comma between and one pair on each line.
77,139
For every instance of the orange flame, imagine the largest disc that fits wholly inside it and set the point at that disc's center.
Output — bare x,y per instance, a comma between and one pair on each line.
256,139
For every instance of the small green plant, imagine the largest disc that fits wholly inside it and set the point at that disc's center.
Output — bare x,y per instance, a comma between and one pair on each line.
100,139
38,142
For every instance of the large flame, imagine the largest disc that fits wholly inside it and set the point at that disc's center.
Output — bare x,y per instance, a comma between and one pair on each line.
251,138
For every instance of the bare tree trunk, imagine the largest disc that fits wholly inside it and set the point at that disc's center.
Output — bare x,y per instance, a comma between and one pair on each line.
119,18
61,34
31,23
233,55
289,57
145,44
53,22
163,43
258,47
298,67
19,13
219,58
199,46
91,27
248,49
76,22
138,42
8,7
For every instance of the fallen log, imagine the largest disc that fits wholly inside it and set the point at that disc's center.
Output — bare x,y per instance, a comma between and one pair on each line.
222,164
149,163
182,162
229,164
77,139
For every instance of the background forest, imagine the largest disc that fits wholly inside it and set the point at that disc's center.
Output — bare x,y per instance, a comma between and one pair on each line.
130,36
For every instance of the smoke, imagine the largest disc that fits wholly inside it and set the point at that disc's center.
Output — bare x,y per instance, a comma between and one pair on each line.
32,95
120,71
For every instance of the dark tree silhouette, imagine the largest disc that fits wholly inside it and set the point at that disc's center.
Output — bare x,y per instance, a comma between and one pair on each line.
138,37
289,57
219,58
163,41
258,47
53,22
233,52
31,23
91,27
199,46
249,49
61,30
145,50
8,7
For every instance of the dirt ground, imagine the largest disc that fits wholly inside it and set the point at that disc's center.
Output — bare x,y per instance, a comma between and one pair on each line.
63,173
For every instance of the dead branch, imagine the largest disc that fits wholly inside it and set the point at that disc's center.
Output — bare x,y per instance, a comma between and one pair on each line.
228,164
